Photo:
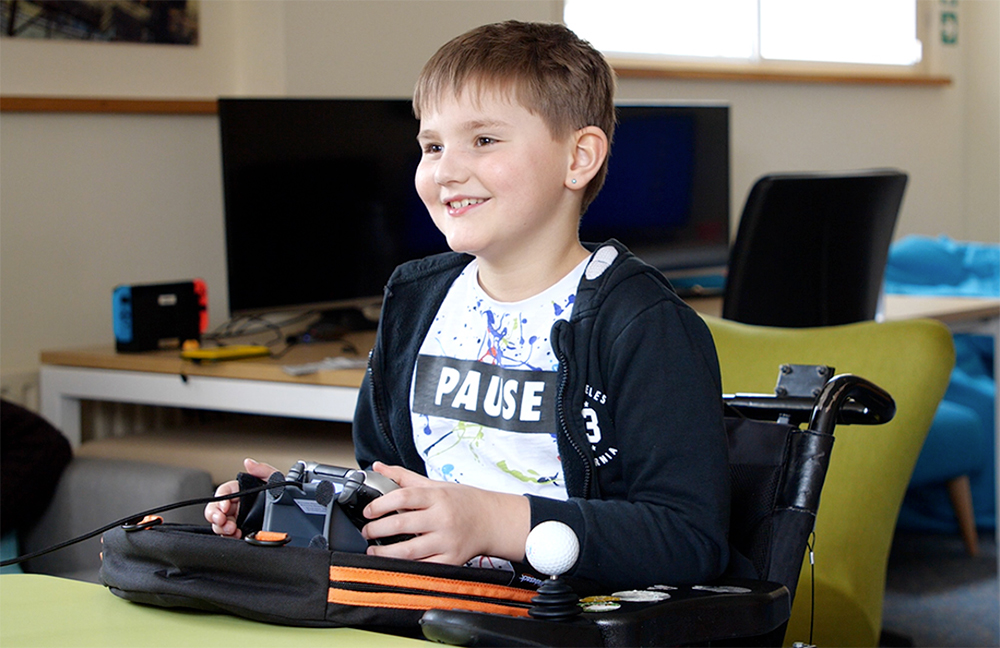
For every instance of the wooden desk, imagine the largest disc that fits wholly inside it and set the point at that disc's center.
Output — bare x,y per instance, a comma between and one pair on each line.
252,386
40,611
956,312
953,311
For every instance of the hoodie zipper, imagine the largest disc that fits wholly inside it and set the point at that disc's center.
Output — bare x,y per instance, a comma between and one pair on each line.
380,416
561,409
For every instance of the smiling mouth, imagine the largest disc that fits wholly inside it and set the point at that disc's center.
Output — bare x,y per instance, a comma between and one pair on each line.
455,205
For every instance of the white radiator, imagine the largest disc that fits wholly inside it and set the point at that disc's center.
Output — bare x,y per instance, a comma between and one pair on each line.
102,419
105,420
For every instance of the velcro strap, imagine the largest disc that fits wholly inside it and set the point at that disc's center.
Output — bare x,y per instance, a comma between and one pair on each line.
418,602
401,580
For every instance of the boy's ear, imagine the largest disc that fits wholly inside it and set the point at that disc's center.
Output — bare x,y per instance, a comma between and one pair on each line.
589,152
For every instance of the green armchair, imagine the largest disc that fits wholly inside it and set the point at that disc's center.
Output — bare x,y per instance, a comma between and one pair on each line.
870,468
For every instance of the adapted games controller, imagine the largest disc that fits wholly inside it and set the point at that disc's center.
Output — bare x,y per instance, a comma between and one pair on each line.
327,506
360,489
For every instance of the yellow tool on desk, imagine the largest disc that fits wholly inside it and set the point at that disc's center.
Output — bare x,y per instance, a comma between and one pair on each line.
231,352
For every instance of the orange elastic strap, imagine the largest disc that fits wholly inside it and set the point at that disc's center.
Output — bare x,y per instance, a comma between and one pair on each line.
430,583
270,536
418,602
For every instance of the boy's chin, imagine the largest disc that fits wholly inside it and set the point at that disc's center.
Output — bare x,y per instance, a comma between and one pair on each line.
460,246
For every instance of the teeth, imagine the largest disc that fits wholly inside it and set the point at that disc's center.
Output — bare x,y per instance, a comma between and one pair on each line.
459,204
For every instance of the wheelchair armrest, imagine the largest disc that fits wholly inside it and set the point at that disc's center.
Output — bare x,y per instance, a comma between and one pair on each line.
845,399
463,628
691,615
769,407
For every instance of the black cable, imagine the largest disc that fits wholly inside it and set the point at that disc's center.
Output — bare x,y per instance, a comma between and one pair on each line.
245,330
289,343
812,585
240,326
139,516
247,325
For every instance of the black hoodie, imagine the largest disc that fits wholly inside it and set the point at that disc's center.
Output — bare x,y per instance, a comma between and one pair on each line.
641,435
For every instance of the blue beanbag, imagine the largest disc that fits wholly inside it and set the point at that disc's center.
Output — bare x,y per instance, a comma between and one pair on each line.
962,437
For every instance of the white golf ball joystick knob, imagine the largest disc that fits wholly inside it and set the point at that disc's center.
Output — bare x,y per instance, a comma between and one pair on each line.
552,548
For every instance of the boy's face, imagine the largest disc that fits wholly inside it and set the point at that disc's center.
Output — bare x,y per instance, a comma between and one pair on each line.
493,177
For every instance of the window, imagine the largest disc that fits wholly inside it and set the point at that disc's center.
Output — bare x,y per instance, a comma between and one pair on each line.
882,32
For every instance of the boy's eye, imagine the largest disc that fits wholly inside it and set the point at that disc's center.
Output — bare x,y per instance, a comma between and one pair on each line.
484,140
432,148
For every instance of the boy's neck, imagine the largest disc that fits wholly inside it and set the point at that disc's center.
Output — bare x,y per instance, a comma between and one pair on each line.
533,272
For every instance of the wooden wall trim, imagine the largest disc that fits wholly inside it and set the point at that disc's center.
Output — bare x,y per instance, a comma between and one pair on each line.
627,71
624,70
127,106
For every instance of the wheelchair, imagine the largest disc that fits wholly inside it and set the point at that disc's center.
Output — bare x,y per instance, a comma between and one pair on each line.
779,451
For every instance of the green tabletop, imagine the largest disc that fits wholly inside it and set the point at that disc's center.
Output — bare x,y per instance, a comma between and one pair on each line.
39,611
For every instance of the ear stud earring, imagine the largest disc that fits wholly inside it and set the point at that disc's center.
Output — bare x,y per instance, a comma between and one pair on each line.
573,180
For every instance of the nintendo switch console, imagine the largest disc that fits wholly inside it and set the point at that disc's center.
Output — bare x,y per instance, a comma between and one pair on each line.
156,316
325,507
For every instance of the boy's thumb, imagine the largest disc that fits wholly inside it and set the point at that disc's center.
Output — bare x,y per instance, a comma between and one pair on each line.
259,470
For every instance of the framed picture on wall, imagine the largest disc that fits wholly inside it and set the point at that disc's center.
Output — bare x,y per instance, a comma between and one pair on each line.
164,22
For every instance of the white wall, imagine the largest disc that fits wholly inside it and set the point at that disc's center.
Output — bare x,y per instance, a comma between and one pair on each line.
89,201
981,119
784,127
376,49
85,69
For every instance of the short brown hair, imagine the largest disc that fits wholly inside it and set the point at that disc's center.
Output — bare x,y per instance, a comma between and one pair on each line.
550,71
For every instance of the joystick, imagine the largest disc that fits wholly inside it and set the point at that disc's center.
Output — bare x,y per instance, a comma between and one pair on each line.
553,548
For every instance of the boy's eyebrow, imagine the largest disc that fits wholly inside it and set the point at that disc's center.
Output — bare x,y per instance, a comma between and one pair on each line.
471,125
483,124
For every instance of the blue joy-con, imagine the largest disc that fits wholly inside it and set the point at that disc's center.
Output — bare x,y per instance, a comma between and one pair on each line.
121,306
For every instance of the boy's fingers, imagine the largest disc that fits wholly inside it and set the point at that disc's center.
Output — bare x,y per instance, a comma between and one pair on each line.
418,548
380,506
227,529
405,478
216,518
226,489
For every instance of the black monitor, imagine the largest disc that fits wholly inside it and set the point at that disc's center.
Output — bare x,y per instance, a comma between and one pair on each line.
320,204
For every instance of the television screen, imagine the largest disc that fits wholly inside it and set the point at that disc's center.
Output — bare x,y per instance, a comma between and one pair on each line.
320,204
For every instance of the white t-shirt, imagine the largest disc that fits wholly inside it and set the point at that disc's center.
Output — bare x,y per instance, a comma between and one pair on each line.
484,389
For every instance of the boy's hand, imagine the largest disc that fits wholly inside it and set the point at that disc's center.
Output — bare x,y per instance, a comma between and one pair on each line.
453,523
222,515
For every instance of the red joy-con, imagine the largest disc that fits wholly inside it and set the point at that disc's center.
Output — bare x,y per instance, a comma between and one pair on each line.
201,290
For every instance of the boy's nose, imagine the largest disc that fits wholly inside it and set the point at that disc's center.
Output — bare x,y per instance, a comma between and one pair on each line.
450,169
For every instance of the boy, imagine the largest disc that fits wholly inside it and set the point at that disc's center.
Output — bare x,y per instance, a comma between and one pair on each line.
524,377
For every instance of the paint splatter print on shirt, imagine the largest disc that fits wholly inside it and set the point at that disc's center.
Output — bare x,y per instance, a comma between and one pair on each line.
484,389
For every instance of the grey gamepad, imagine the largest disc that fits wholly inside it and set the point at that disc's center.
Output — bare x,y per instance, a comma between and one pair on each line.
361,487
325,497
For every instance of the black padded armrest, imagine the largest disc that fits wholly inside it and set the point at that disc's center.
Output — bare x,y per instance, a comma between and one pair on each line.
757,608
